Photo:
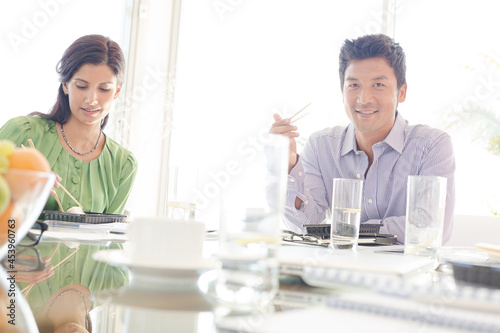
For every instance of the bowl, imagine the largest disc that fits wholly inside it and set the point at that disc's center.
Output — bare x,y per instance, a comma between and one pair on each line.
30,190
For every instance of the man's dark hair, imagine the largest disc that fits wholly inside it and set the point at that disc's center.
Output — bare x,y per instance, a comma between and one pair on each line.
373,46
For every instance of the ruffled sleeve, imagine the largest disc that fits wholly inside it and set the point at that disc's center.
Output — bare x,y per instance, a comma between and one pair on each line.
17,130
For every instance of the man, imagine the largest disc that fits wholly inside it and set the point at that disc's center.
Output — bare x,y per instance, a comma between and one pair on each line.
378,146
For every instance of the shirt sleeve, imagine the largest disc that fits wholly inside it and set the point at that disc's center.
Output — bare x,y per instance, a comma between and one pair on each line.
128,174
311,190
438,160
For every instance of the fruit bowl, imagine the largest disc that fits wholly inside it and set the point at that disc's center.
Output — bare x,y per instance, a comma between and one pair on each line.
29,191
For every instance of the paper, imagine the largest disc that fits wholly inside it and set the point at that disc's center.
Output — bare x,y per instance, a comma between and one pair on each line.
81,235
382,263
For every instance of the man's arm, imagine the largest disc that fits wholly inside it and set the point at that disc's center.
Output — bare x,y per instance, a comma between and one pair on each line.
310,191
305,199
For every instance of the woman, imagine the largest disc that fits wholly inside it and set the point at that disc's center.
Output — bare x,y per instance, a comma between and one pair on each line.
96,170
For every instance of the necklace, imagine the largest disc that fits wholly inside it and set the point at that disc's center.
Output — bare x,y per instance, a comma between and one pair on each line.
73,149
87,319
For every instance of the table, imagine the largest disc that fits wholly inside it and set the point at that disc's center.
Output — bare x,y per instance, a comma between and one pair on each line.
118,299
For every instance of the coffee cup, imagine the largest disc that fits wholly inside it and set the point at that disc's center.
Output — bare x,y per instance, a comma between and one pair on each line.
166,243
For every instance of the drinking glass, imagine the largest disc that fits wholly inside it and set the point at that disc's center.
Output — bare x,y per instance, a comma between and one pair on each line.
425,208
346,213
181,192
252,203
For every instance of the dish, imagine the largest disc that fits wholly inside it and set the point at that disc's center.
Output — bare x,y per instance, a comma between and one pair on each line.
87,217
120,258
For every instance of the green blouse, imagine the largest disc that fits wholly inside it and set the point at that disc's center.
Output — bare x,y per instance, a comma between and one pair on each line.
102,185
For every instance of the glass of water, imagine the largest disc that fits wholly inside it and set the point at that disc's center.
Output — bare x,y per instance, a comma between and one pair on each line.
425,208
252,203
346,213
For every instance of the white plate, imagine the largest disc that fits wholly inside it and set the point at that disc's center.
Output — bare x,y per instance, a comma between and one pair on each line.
120,258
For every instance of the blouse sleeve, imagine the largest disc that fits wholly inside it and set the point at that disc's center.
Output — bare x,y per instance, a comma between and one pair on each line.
129,171
17,130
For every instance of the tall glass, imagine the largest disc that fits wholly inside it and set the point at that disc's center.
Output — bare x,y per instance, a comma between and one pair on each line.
346,213
252,204
181,194
425,208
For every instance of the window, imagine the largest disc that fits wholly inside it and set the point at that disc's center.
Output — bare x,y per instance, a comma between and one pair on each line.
241,61
35,34
453,78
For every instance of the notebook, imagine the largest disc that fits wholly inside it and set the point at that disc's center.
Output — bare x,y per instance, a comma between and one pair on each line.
297,260
371,314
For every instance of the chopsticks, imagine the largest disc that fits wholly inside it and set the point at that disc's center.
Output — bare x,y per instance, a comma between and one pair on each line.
64,189
53,188
57,200
76,201
28,288
296,113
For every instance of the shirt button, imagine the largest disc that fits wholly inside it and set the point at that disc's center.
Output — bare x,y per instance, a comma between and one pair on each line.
75,179
292,180
357,153
370,201
300,173
358,175
307,202
78,163
68,280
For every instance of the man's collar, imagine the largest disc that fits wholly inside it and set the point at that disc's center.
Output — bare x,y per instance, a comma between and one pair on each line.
395,138
349,141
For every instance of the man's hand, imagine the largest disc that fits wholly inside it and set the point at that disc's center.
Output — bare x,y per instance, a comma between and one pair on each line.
282,126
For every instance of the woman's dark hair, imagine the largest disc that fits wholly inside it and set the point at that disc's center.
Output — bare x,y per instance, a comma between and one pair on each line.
90,49
373,46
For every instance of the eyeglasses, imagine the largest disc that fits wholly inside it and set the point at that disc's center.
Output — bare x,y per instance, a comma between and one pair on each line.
27,259
290,236
34,235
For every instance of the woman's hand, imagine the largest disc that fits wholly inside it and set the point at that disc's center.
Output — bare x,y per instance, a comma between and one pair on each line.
56,184
35,277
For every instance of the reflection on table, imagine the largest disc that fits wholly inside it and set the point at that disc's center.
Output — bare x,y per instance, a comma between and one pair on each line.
57,280
66,285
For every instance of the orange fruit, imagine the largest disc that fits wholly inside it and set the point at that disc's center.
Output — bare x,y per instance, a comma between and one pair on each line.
24,159
28,159
4,218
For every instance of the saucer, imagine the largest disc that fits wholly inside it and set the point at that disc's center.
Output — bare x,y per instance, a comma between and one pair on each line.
116,257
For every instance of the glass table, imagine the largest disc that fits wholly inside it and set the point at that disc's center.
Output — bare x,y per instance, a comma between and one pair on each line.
87,285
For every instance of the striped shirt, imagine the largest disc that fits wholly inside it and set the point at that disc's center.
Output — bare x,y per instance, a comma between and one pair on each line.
333,153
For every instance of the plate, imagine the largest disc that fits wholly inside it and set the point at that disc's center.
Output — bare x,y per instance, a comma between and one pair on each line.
120,258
